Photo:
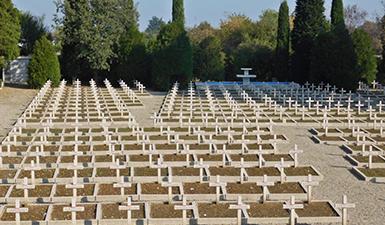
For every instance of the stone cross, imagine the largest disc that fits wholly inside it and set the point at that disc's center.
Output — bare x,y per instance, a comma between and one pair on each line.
17,211
371,153
25,186
240,207
292,206
201,167
260,153
170,184
380,105
218,185
117,167
159,166
74,186
281,167
295,152
345,206
264,185
129,208
122,185
309,184
184,207
33,167
73,209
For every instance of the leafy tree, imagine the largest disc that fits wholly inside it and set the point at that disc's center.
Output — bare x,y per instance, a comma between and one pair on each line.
209,60
199,33
9,32
172,59
265,29
381,69
354,17
337,13
32,29
44,64
178,12
283,43
154,26
366,59
309,22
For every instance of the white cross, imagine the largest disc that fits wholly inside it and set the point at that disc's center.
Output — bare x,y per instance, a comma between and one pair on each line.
264,185
74,186
33,167
17,211
309,184
122,184
73,209
184,207
345,206
260,153
281,167
129,208
374,83
117,167
309,101
240,207
290,101
159,166
359,105
292,206
380,105
201,167
25,186
218,185
170,184
295,152
371,153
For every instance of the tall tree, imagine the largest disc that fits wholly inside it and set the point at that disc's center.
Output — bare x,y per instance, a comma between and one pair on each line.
309,22
154,26
381,69
178,12
337,13
354,17
32,29
283,43
9,32
44,64
366,59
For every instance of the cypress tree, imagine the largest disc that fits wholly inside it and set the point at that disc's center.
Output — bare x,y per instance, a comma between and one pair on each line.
178,11
283,43
366,59
9,32
337,13
309,22
44,64
381,69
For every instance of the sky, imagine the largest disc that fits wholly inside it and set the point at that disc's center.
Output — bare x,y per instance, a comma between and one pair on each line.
196,10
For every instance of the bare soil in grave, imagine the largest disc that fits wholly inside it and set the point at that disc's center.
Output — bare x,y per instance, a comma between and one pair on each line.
38,191
45,159
358,148
329,138
317,209
17,148
278,157
199,147
66,173
225,171
374,172
102,158
149,172
35,213
185,171
111,211
142,158
157,189
88,214
88,190
108,189
70,159
300,171
286,188
12,160
245,188
267,210
246,158
256,146
44,173
167,211
212,158
269,171
107,172
365,159
207,210
175,158
3,190
165,146
198,188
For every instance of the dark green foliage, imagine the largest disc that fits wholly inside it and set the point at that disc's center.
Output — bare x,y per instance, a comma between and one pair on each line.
209,60
366,59
172,59
381,67
178,12
9,32
32,29
337,13
283,44
44,64
333,60
309,22
154,26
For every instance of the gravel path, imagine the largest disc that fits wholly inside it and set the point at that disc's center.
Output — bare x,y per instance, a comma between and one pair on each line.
13,101
151,104
338,180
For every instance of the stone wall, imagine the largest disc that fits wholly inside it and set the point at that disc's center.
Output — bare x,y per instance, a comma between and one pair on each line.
17,71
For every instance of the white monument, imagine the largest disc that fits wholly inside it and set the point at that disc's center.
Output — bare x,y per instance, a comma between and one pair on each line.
246,76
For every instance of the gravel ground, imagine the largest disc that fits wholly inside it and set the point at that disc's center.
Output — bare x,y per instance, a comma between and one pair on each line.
338,180
13,101
151,104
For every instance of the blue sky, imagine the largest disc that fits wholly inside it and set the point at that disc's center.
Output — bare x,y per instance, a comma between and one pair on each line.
196,10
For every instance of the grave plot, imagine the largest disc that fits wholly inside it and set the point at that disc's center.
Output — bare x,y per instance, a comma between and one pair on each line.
76,155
